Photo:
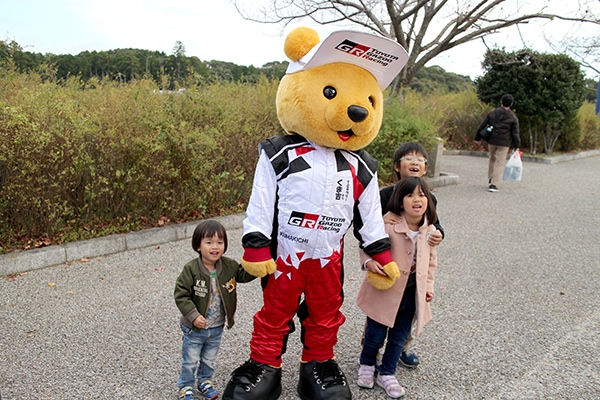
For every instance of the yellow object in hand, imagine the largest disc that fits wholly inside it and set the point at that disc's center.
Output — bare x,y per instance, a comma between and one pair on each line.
384,282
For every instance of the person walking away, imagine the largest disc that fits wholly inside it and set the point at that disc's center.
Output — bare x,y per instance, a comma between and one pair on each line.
390,313
505,130
205,293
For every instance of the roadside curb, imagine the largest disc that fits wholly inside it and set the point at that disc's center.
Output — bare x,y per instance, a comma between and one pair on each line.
23,261
29,260
544,160
444,179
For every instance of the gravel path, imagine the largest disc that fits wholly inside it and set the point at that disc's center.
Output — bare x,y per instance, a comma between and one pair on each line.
516,313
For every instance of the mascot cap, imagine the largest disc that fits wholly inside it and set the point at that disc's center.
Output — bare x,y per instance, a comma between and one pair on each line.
381,56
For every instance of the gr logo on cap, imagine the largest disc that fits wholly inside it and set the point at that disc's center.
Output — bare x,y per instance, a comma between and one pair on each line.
381,56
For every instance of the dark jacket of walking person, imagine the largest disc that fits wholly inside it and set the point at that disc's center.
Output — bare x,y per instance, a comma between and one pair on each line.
505,131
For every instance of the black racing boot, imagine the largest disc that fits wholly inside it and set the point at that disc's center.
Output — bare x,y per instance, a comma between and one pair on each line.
254,381
323,381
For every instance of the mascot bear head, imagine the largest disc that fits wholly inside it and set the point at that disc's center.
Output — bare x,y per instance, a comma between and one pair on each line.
332,91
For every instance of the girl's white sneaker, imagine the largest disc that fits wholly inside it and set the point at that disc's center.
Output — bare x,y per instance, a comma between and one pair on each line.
366,375
391,386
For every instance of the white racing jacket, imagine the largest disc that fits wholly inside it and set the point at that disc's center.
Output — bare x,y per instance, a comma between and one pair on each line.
308,196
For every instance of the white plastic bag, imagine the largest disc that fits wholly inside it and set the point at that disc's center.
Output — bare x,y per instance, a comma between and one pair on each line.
514,168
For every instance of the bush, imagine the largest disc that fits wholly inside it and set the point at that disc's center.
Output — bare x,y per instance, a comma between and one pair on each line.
84,160
403,121
457,119
590,127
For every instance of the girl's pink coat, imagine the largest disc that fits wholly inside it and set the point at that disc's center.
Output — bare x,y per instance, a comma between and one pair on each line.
382,305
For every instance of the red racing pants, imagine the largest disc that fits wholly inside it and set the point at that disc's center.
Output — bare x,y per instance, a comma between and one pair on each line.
322,289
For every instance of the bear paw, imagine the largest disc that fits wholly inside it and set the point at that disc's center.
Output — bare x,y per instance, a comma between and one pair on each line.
259,269
382,282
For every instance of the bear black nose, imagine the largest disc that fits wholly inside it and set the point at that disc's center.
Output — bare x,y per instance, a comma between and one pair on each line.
357,113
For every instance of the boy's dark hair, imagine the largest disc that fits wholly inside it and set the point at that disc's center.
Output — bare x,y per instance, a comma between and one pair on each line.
208,229
507,100
405,187
407,148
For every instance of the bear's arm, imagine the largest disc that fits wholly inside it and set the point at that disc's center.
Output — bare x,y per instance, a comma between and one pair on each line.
258,225
369,225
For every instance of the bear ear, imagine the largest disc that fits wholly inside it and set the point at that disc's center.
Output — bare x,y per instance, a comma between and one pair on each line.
299,42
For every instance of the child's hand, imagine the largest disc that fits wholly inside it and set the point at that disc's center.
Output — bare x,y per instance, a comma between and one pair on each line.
391,218
200,322
390,274
429,296
435,238
375,267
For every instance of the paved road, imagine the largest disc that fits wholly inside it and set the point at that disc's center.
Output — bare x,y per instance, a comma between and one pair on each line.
516,313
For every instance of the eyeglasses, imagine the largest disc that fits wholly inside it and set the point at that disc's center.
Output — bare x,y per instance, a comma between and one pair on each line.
421,160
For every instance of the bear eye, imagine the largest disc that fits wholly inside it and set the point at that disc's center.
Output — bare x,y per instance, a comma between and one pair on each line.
371,101
329,92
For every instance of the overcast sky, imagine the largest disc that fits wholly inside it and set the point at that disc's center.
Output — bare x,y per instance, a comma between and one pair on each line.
209,30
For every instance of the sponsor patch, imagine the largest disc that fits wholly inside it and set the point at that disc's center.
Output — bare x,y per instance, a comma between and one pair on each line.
366,52
315,221
342,190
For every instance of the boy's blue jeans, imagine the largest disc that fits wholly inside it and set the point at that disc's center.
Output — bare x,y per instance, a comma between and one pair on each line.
198,354
375,334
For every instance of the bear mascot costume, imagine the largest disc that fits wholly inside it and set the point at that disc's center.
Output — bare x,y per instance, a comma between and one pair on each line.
310,186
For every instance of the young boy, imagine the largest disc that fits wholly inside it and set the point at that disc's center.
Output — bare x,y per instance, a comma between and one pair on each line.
410,159
205,293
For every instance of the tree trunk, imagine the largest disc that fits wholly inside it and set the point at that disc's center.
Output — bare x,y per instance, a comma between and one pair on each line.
531,144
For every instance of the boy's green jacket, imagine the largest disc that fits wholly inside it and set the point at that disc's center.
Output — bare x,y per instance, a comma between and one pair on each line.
192,289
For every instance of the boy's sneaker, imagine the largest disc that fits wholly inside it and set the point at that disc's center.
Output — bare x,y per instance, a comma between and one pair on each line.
493,188
186,393
207,390
409,359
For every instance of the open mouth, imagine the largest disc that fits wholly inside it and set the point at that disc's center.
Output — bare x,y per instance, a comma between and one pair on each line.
345,135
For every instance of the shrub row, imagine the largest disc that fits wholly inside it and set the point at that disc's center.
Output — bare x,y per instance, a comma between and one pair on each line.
81,160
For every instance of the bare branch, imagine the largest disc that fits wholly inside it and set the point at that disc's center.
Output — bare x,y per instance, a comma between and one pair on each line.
425,28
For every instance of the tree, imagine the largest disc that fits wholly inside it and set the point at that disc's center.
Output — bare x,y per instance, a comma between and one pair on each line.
176,70
562,96
548,89
12,55
180,61
275,69
585,50
425,28
436,79
7,54
591,90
